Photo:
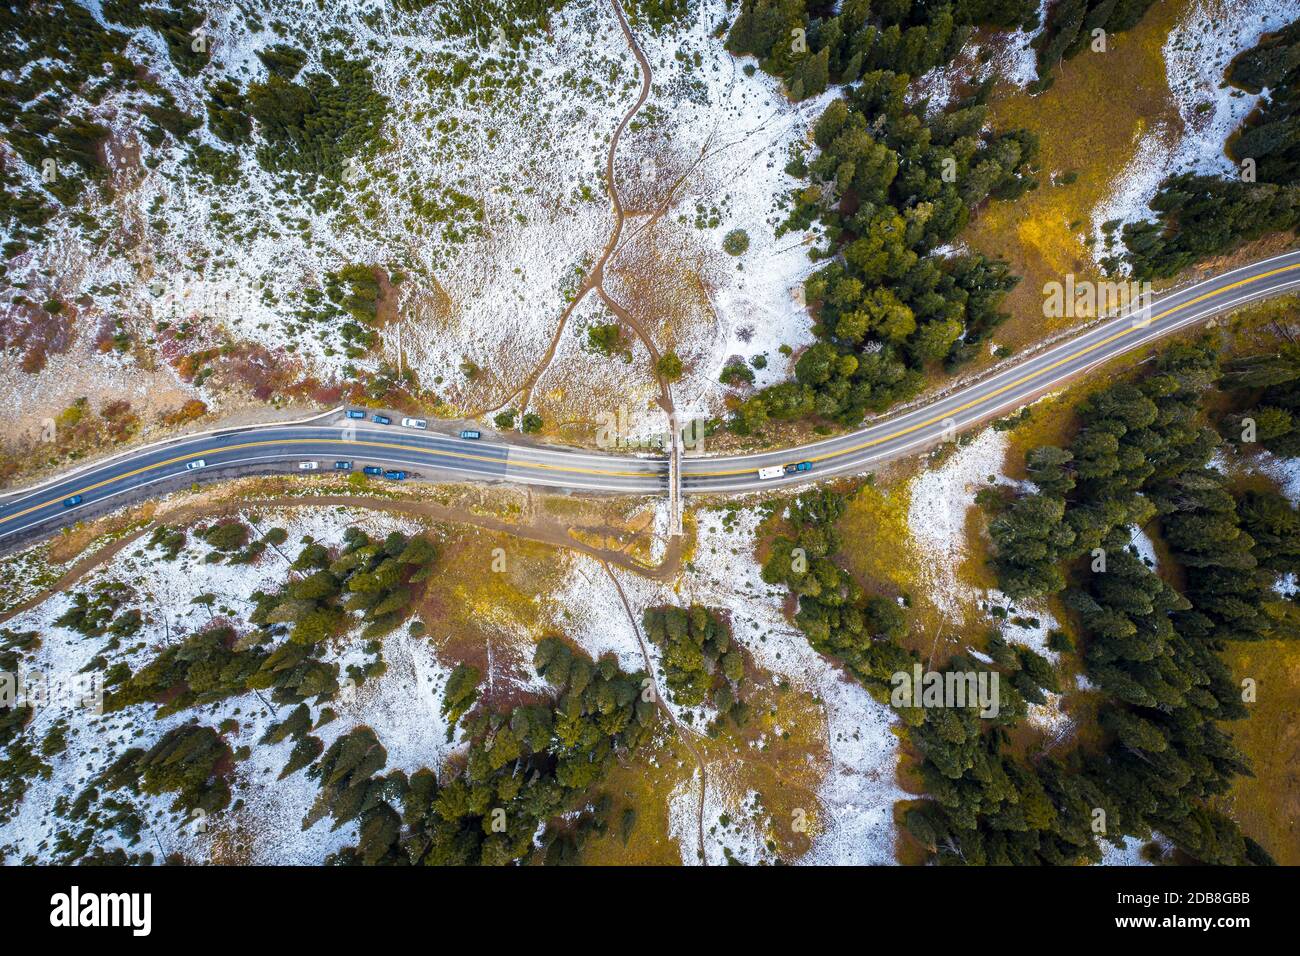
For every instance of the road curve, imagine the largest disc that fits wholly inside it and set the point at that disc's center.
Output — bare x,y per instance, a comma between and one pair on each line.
1011,387
432,455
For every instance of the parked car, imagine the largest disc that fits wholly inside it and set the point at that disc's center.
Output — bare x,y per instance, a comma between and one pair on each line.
372,470
197,463
470,433
342,466
394,475
775,471
381,420
356,413
72,502
415,423
308,465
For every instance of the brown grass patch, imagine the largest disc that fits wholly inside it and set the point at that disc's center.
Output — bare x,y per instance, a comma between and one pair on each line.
1103,109
1267,806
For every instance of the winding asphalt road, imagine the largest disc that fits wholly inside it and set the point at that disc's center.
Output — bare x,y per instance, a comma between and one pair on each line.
431,455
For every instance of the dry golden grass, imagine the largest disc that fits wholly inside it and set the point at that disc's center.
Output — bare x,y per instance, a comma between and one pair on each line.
582,391
643,784
80,539
781,754
879,551
490,593
1267,806
877,544
1092,122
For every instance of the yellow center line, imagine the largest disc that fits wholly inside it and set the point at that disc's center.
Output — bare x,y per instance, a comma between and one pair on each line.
1020,381
193,456
974,403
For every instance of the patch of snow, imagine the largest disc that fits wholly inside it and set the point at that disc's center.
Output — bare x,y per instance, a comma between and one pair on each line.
594,616
937,514
1026,623
402,706
1130,854
858,791
1051,719
1285,471
1014,57
1196,53
1141,542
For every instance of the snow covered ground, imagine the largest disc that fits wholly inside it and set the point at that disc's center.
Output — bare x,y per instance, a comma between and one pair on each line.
940,499
851,821
1285,471
401,706
941,503
849,815
522,141
858,789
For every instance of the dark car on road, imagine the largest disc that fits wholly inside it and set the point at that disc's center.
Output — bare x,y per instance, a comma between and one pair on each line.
72,502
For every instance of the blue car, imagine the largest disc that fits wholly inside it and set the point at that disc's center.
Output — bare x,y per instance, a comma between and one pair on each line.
342,466
72,502
394,475
470,433
381,420
372,470
356,413
802,466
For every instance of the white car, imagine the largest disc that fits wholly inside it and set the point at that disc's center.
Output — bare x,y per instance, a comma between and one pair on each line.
198,463
415,422
308,465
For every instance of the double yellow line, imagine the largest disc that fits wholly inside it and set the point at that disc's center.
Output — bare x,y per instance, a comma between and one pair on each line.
540,466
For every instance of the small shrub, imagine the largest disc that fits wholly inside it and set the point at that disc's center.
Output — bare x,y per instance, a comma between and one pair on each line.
735,242
670,366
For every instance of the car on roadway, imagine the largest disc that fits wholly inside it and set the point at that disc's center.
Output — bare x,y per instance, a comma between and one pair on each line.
342,466
802,466
394,475
415,423
197,463
471,433
356,413
308,465
372,470
72,502
773,471
381,420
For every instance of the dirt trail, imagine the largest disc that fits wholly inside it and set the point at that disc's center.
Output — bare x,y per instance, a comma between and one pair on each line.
554,534
97,558
551,533
684,734
596,278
